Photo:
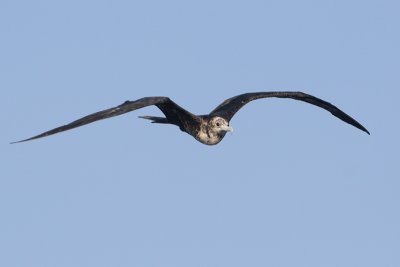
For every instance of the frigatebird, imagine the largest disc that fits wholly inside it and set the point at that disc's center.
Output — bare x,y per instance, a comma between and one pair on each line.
208,129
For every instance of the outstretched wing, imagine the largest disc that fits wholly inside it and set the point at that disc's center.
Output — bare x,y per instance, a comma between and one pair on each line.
174,113
229,107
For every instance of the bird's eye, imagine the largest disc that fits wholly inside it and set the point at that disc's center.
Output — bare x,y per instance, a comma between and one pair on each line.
218,124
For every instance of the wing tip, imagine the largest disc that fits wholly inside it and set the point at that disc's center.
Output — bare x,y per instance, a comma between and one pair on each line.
16,142
20,141
362,128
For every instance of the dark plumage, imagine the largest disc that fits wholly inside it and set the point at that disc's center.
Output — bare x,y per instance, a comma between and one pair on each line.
208,129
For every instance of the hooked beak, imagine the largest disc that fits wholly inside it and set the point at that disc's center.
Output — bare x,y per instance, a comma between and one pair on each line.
227,128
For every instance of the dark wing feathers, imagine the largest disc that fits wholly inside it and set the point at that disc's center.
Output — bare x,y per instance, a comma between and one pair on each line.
173,112
187,121
229,107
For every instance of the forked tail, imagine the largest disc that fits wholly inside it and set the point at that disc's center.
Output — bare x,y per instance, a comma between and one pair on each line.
155,119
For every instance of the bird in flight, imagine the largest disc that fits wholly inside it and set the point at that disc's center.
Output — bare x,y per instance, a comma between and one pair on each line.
208,129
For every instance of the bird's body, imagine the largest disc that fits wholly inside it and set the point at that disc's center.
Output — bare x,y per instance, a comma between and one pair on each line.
208,129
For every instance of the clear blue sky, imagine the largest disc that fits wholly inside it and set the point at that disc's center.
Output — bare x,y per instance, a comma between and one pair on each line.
292,186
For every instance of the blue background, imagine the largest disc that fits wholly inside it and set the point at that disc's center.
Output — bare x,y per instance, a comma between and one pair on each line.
292,186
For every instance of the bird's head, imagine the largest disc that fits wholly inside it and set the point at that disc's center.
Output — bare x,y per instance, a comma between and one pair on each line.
220,125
